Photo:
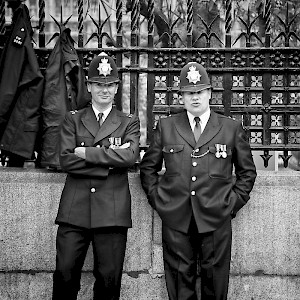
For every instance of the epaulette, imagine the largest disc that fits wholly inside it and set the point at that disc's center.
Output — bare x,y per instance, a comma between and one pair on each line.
73,112
232,118
19,38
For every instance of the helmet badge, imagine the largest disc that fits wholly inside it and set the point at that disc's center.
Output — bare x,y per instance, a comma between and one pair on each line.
193,75
104,67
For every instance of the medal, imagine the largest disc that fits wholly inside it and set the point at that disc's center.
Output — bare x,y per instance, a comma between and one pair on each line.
117,142
218,154
111,141
224,153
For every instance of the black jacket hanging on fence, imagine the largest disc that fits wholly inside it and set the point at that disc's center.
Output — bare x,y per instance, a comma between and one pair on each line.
65,90
21,88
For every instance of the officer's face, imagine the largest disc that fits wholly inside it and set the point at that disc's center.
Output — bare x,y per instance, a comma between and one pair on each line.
102,94
197,103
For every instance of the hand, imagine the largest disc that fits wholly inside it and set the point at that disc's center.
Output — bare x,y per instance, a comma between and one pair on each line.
124,146
80,152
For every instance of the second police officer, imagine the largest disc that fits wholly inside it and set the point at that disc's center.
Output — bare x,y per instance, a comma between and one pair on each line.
197,197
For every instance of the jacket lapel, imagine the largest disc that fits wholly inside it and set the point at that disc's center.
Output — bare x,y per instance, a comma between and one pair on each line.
111,123
184,129
90,122
211,129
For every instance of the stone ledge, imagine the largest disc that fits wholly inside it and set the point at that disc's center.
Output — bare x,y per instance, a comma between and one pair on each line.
265,252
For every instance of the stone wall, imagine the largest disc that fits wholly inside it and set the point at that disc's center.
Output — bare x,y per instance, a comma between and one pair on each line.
266,240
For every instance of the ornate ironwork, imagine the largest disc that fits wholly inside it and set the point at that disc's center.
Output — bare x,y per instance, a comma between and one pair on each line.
100,34
259,86
287,34
249,33
209,34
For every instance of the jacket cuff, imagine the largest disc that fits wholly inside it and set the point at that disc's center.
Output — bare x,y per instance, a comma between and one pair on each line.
152,198
238,205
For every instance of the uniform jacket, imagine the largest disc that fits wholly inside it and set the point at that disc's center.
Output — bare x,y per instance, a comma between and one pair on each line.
65,90
96,192
203,184
21,87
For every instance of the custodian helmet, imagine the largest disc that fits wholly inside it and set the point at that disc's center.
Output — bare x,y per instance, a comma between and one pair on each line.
193,78
103,69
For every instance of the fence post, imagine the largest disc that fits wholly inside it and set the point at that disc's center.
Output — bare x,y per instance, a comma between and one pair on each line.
227,83
2,17
41,23
267,16
228,23
119,55
80,23
189,23
134,76
151,75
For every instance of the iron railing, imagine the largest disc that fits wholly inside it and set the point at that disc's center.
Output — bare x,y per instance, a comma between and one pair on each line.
258,82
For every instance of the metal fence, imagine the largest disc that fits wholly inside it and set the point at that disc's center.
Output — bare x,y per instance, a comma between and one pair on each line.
259,85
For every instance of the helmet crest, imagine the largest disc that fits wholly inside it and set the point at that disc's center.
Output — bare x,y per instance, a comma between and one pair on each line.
104,67
193,75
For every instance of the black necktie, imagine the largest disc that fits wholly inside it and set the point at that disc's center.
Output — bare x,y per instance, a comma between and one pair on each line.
100,120
197,129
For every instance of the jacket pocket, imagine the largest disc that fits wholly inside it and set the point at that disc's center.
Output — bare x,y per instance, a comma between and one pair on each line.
84,141
172,148
173,159
219,166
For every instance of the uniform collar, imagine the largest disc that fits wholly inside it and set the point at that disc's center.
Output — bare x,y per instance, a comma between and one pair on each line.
203,119
105,112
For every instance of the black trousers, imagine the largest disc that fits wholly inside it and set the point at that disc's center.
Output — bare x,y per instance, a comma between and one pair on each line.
72,243
183,251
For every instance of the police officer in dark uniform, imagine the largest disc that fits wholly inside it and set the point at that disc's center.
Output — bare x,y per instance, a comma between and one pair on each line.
196,197
98,145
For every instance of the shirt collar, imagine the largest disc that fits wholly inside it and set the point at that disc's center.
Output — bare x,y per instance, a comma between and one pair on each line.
105,112
203,118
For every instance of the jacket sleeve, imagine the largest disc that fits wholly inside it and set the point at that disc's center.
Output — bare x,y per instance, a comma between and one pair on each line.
150,166
118,158
245,170
71,163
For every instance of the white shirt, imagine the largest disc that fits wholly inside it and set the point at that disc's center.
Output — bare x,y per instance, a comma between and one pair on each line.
105,113
203,119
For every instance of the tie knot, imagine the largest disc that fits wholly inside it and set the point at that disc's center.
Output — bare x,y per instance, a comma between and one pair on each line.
197,120
100,120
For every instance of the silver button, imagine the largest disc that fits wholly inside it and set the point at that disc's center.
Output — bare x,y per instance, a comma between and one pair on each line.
171,150
194,178
194,164
82,144
197,150
193,193
93,190
98,146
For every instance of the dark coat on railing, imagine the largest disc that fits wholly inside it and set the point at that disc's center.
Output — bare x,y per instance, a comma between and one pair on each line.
65,90
21,88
